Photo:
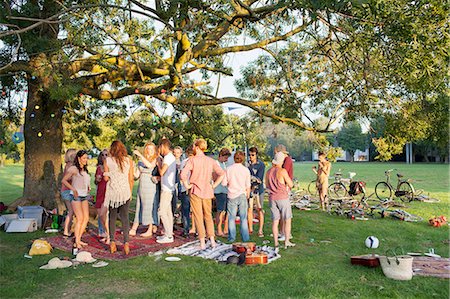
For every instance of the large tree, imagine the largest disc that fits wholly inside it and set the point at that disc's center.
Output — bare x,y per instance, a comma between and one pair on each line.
169,50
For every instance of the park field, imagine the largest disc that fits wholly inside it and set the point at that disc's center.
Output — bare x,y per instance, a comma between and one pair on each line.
312,269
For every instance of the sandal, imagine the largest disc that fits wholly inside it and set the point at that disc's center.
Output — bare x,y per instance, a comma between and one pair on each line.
261,235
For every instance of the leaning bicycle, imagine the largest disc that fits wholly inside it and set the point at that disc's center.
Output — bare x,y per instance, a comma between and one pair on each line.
404,190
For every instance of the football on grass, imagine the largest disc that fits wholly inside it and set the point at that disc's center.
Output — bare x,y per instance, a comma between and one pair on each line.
372,242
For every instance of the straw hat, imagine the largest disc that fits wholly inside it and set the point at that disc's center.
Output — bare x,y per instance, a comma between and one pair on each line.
56,263
84,257
278,159
281,148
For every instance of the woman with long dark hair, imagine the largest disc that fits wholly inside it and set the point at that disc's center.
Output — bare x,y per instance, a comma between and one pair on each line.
102,211
119,175
78,180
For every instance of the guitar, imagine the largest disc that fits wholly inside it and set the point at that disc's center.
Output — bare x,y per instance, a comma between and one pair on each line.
256,258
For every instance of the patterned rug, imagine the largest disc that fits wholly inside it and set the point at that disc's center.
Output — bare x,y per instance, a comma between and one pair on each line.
431,266
138,245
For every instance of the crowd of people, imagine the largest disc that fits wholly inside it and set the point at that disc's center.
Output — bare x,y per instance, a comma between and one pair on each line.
194,183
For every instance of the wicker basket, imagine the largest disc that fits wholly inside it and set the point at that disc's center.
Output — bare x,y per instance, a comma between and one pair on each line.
397,267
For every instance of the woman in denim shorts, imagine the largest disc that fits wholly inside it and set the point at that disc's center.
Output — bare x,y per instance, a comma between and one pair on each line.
77,179
65,192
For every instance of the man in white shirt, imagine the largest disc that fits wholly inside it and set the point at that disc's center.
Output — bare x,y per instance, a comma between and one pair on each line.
167,169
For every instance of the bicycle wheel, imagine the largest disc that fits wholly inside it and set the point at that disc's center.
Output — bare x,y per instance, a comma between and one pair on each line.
405,192
312,189
383,191
337,191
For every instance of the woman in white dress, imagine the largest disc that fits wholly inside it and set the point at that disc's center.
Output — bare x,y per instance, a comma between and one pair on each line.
146,190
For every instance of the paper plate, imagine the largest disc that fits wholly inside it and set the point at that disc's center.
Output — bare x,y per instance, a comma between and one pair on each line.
414,253
432,255
100,264
172,259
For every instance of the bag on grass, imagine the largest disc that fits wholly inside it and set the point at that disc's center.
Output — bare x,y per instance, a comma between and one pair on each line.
356,188
398,267
40,247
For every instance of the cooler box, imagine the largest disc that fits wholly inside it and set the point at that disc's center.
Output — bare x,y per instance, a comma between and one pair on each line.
7,218
31,212
22,225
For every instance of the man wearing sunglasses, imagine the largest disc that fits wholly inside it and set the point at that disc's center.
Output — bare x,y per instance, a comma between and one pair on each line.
257,169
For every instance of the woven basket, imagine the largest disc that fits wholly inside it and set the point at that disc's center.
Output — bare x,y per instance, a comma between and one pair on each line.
397,267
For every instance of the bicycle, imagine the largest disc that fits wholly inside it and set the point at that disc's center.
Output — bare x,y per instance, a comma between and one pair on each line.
312,188
400,215
346,187
404,190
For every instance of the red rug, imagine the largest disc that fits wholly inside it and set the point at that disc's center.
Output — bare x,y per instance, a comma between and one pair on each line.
138,245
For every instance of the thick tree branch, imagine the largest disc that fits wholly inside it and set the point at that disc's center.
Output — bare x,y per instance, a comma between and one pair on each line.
263,43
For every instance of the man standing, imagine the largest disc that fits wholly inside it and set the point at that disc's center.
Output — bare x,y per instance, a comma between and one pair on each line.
184,196
289,166
277,181
257,169
201,190
237,180
167,169
177,152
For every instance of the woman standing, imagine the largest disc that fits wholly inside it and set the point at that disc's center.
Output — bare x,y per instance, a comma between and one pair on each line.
80,187
322,179
102,211
65,192
146,189
119,176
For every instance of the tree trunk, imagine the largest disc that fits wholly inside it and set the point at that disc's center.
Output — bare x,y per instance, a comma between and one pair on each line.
43,134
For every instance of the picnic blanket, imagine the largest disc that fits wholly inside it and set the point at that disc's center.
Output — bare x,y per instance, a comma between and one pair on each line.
138,245
431,266
220,253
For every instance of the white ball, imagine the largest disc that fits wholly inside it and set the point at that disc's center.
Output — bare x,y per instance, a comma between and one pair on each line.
372,242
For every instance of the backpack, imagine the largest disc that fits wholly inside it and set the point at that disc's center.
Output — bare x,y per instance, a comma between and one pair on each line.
356,188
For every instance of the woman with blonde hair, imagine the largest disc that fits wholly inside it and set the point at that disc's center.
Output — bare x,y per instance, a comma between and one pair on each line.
78,180
119,176
65,192
146,190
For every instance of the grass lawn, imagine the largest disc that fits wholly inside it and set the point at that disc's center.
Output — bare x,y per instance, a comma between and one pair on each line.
311,269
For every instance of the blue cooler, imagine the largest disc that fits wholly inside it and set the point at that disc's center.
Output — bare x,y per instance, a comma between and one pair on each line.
34,212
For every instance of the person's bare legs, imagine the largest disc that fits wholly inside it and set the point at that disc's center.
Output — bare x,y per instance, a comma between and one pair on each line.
149,232
250,215
103,216
287,230
134,229
78,211
85,210
260,216
220,221
69,217
275,232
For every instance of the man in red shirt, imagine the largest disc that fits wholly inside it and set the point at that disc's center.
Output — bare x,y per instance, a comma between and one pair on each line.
288,162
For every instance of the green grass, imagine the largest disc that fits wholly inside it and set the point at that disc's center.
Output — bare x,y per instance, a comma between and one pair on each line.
311,269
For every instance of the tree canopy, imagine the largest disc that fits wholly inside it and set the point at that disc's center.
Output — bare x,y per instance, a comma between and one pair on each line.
341,60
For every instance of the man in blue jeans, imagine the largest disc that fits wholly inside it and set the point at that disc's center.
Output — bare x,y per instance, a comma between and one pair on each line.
184,197
237,180
257,169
